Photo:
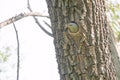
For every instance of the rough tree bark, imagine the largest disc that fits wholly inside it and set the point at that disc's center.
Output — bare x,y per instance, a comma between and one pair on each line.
93,61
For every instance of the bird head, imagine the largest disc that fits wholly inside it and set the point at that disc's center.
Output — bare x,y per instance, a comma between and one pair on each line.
72,27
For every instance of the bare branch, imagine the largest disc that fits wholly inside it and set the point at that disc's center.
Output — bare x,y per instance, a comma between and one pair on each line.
28,6
36,20
47,24
20,16
18,54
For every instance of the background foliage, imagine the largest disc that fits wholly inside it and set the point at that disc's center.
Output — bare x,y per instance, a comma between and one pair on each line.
113,13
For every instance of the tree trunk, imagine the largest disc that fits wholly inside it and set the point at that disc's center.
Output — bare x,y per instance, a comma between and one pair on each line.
87,56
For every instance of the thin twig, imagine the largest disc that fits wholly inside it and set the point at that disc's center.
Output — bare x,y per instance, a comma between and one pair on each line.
47,24
18,54
28,6
36,20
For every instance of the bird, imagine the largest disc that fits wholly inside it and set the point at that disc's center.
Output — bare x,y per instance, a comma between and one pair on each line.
73,30
73,27
75,33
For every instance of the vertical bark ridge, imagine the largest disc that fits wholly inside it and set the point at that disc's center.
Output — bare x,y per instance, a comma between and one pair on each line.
102,52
